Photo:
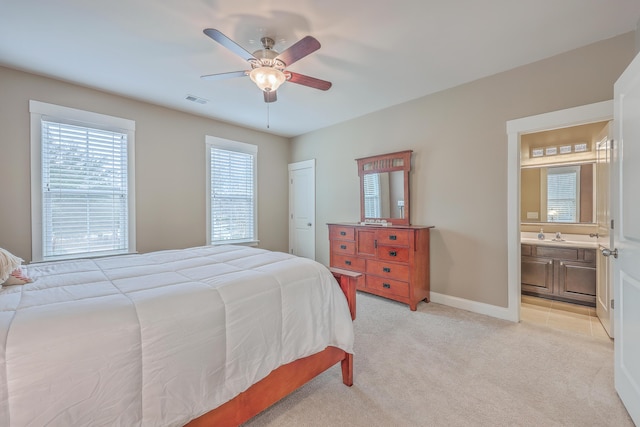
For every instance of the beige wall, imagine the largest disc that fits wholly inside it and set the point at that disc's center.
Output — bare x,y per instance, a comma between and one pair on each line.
458,181
530,193
170,166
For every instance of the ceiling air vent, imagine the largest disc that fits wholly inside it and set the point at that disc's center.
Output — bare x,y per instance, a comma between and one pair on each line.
197,99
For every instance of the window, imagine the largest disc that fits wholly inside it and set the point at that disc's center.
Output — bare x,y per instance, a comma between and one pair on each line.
372,197
231,191
82,183
563,187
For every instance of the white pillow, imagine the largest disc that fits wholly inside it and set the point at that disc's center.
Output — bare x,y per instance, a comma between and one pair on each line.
10,272
17,277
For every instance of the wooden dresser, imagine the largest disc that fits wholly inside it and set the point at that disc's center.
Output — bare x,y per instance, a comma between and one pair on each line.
394,259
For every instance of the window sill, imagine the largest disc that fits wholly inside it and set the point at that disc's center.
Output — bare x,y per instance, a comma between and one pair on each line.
237,243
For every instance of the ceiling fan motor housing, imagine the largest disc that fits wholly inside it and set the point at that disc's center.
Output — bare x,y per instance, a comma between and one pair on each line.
266,57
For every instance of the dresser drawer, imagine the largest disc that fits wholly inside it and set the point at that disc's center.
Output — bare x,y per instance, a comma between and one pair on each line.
388,286
348,262
393,237
388,269
341,233
393,253
343,247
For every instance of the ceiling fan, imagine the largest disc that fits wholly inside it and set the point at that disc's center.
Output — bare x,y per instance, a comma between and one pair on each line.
268,67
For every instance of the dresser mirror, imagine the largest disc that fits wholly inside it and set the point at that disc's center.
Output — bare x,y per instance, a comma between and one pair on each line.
384,188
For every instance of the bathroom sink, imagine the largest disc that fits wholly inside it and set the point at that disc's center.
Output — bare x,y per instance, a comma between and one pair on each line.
569,240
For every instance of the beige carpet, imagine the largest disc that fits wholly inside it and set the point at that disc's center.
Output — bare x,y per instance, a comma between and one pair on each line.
442,366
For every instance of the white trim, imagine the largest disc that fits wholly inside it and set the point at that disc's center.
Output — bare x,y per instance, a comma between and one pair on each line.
227,144
598,112
474,306
84,117
41,110
302,165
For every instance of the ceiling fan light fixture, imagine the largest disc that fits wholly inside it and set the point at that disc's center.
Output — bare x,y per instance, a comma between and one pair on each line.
268,79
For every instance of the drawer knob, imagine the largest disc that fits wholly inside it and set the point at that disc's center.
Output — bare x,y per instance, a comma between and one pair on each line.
348,262
393,253
386,269
343,246
343,233
393,237
386,286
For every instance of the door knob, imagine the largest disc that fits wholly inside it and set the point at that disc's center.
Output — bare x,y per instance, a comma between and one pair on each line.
609,252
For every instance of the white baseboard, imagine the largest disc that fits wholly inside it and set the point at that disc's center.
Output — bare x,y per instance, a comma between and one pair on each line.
473,306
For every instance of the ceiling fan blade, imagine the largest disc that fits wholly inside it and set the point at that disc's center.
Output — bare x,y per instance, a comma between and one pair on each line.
299,50
270,96
301,79
229,44
221,76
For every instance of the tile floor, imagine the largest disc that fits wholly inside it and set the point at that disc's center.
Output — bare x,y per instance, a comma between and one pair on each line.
561,315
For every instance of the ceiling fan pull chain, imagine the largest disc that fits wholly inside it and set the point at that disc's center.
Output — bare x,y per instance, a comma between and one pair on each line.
267,115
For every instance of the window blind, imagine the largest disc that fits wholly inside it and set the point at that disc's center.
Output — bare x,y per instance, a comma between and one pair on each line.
562,195
84,190
372,198
232,196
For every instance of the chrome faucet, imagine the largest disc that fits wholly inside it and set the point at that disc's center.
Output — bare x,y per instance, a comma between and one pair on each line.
558,237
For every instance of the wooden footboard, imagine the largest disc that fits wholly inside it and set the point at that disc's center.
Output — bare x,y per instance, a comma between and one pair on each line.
287,378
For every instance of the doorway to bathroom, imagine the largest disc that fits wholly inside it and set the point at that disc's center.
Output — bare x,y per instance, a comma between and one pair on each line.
551,283
563,196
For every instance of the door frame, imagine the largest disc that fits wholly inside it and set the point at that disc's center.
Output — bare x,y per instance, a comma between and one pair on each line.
305,164
597,112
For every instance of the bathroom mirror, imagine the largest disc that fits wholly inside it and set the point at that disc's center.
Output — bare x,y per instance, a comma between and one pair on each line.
384,188
558,194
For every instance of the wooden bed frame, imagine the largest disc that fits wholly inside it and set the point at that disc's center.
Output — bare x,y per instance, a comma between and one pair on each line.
287,378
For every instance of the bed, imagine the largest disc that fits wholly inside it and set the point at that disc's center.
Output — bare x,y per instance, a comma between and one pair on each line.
198,336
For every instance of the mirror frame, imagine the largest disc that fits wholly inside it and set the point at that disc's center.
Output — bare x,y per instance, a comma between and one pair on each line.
391,162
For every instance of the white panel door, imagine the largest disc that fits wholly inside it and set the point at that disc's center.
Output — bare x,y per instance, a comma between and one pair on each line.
604,293
302,209
626,237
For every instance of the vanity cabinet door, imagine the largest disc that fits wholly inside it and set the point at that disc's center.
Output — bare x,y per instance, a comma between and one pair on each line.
537,275
577,280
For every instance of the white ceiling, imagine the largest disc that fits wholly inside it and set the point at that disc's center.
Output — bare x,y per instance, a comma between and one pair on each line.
377,53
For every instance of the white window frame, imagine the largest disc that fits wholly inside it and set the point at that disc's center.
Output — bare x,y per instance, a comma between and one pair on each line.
43,111
372,195
241,147
565,170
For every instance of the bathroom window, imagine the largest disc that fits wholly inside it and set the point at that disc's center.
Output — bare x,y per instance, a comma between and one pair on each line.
563,190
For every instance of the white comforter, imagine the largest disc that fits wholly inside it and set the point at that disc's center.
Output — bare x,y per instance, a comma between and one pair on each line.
160,338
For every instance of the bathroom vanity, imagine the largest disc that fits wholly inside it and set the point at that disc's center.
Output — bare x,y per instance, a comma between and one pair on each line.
560,271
